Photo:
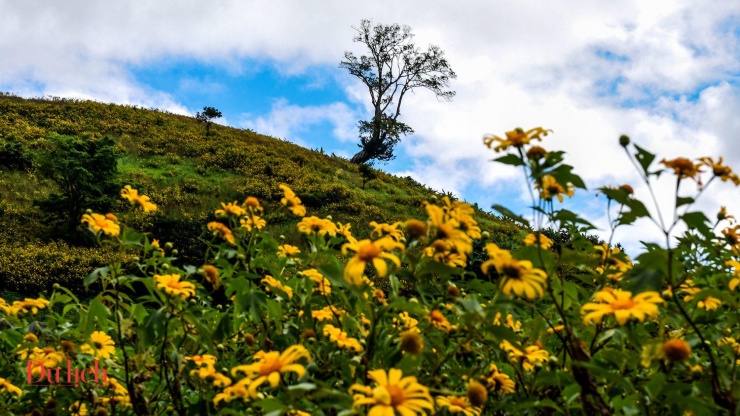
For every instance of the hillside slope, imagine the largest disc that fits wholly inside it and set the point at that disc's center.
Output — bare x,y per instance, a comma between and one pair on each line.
188,174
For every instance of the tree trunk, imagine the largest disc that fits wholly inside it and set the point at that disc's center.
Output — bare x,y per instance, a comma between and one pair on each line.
360,157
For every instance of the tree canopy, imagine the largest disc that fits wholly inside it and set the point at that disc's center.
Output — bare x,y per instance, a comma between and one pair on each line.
393,67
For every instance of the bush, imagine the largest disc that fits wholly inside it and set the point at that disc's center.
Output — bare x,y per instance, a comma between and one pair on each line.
85,174
14,155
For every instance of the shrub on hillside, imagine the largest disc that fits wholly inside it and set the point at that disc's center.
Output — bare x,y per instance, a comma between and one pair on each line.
85,172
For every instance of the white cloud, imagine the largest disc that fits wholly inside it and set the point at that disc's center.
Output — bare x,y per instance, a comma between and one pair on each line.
288,121
588,70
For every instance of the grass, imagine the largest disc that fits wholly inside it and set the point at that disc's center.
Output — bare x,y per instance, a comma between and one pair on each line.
169,158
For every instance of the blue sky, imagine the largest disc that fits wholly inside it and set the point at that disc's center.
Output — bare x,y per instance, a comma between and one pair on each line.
664,72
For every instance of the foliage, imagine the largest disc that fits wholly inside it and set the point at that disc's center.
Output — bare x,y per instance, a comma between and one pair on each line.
14,155
208,114
367,173
84,171
165,156
393,322
394,67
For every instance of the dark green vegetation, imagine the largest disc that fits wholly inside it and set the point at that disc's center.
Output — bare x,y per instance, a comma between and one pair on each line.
169,158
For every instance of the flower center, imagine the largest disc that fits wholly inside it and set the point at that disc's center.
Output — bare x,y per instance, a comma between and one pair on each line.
271,365
440,246
174,284
98,345
554,189
368,252
512,271
620,304
396,393
444,231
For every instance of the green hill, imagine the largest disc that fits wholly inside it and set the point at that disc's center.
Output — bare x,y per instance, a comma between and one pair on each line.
187,173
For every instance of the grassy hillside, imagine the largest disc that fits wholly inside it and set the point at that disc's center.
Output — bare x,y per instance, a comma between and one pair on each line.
187,173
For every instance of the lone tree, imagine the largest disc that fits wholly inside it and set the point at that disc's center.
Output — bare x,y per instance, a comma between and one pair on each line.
208,114
394,67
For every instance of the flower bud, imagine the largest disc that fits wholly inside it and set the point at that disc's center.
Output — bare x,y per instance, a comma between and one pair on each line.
241,256
88,211
56,286
175,252
165,266
624,140
485,235
168,246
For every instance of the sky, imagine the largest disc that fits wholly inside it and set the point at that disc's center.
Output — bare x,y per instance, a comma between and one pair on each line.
666,73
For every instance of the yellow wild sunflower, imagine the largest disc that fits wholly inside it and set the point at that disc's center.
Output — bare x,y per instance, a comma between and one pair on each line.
7,386
327,313
532,355
392,394
286,250
614,264
339,337
28,305
232,208
515,138
622,305
723,215
438,320
269,366
735,281
719,170
496,381
254,222
292,201
98,223
682,167
323,285
101,346
447,229
519,277
539,240
550,188
458,404
223,231
132,195
317,226
381,230
172,286
732,238
366,251
271,282
47,357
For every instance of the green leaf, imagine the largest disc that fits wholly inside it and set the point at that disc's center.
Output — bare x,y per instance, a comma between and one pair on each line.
223,329
96,317
655,385
566,216
695,219
99,273
153,328
510,215
644,158
683,201
510,159
640,280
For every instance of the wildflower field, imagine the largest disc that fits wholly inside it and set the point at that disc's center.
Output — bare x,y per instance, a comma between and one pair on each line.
444,311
